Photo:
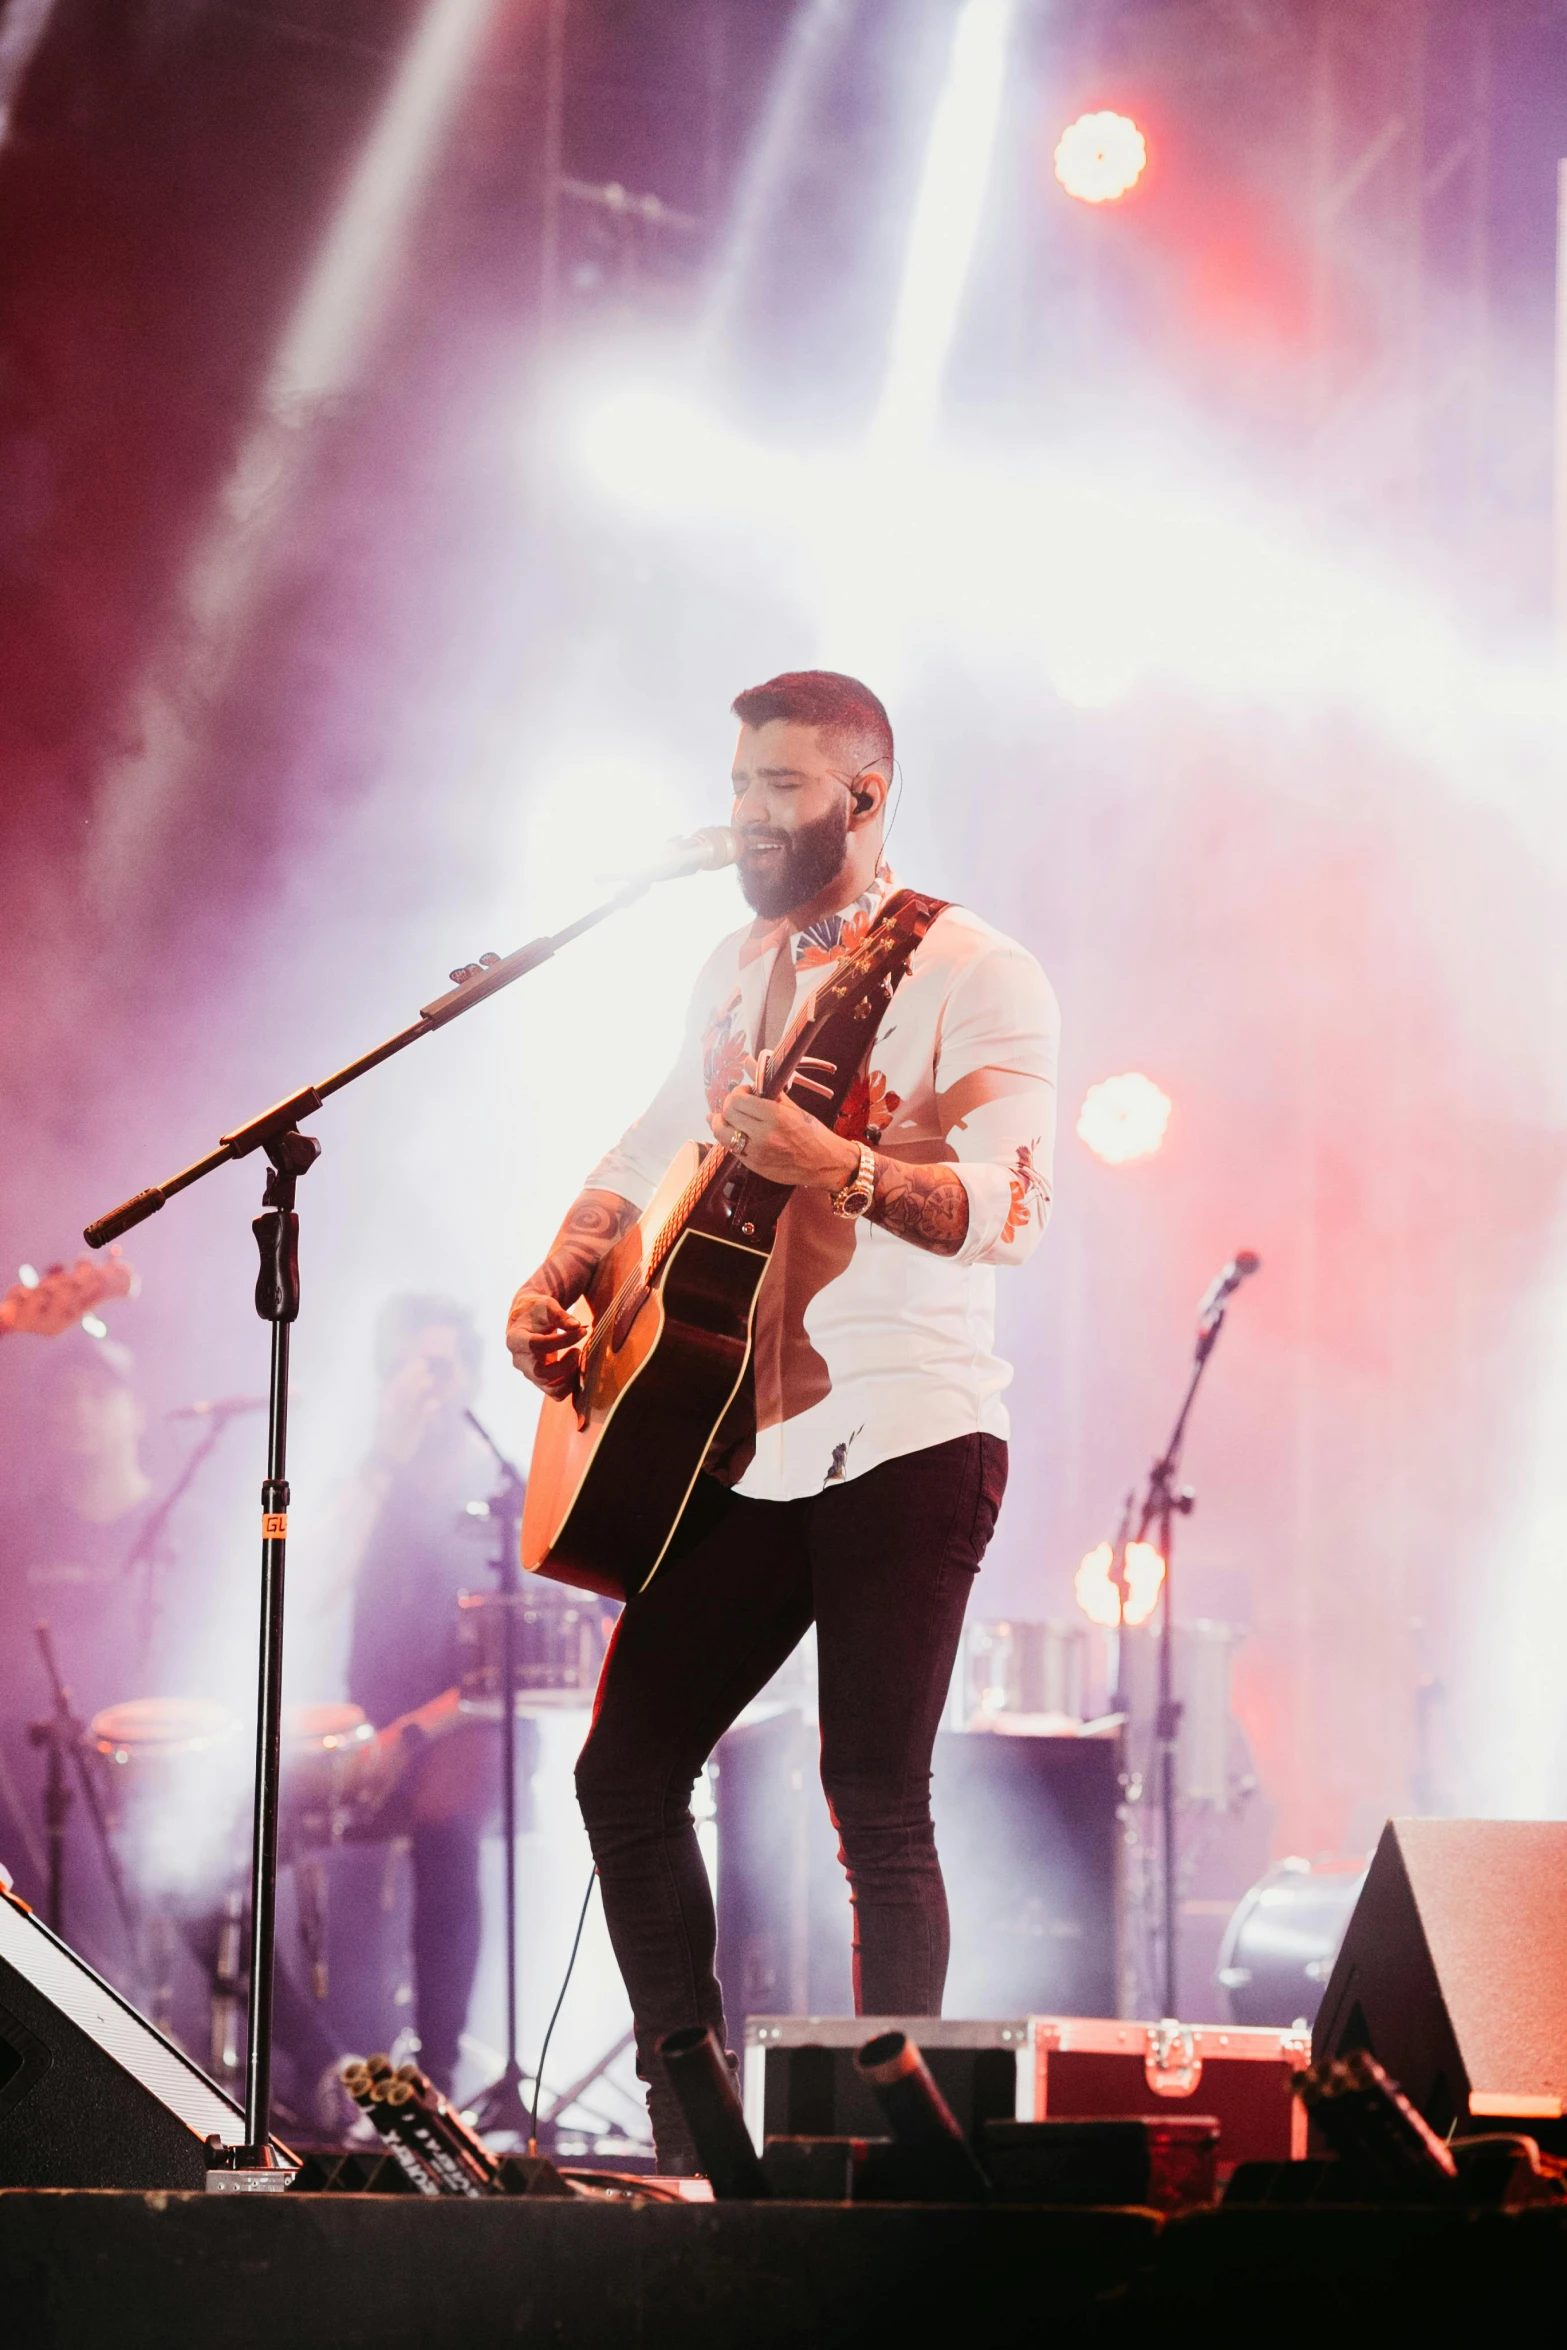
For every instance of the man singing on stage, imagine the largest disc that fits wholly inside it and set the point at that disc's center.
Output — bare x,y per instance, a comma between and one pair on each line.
859,1486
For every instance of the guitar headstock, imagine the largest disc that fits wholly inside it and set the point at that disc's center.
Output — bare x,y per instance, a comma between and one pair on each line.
62,1295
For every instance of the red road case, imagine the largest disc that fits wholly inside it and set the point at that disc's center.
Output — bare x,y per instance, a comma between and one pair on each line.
1086,2066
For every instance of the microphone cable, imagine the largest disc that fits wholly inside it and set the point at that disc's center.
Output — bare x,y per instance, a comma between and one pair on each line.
897,805
576,1945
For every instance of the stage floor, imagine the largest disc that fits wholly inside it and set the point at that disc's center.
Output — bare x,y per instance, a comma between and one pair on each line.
323,2272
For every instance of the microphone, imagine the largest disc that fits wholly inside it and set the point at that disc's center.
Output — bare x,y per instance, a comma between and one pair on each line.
1222,1288
223,1407
706,851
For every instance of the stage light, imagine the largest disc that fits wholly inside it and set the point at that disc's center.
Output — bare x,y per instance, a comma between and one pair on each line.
1144,1582
1100,156
945,223
1124,1118
1099,1595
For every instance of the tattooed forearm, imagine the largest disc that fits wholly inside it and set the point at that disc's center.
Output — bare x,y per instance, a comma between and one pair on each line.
594,1222
927,1205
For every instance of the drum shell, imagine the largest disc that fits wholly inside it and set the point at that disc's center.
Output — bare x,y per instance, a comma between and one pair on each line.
174,1774
1203,1668
321,1745
150,1749
1280,1944
1012,1667
558,1648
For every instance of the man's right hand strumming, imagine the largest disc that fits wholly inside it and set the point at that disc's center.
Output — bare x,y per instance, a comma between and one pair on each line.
543,1334
543,1337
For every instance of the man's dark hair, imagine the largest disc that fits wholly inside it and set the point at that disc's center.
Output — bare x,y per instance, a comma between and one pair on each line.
403,1317
846,710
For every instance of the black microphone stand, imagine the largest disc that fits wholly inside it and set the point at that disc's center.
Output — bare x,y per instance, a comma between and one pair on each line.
64,1734
502,2105
148,1551
1163,1502
277,1301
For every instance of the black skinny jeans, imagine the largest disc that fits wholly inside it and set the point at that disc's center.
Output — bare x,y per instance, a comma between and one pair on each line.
883,1565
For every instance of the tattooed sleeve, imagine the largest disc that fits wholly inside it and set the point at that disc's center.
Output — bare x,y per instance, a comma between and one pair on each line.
594,1222
928,1205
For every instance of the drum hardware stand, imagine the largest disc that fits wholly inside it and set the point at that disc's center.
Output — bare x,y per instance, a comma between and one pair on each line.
224,1991
568,2097
502,2105
277,1301
1163,1502
147,1552
65,1736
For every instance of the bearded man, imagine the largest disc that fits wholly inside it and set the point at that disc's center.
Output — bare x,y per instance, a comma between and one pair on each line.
858,1487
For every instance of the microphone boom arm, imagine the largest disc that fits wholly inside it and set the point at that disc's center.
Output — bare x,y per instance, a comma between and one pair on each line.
276,1230
475,984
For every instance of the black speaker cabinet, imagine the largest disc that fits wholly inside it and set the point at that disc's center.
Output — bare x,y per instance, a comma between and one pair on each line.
1453,1972
1026,1829
90,2094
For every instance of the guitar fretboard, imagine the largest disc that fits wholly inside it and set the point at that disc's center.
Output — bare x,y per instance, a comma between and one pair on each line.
839,991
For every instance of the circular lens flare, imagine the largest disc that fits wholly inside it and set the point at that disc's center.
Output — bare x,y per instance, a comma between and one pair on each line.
1100,156
1124,1118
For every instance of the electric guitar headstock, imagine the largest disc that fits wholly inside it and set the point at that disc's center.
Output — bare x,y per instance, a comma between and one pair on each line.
62,1295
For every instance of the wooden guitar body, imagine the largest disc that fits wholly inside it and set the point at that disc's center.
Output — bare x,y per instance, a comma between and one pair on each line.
672,1306
612,1468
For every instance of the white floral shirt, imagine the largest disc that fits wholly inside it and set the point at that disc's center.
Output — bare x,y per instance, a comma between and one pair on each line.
867,1347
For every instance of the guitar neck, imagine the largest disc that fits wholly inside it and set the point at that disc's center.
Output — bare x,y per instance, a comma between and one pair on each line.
814,1068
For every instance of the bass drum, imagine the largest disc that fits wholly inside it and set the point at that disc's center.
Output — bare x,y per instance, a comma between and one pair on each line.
1279,1947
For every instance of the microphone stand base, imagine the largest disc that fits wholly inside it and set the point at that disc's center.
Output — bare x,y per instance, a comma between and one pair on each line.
503,2106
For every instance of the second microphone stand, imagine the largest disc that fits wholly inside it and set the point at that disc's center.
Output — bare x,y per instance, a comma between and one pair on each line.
1163,1502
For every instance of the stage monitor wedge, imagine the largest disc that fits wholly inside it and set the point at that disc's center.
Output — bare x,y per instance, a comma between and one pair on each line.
90,2094
1453,1971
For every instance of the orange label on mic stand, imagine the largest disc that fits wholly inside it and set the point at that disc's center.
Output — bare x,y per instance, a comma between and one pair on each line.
274,1525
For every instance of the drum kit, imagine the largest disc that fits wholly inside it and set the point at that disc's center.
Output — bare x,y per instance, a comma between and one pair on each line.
156,1764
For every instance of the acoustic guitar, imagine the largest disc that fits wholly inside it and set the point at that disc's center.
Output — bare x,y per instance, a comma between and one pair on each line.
673,1303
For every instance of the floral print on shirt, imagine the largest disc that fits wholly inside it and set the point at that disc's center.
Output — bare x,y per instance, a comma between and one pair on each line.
1027,1185
723,1055
839,934
868,1108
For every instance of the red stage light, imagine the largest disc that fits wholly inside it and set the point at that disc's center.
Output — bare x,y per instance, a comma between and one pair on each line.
1099,1596
1124,1118
1100,156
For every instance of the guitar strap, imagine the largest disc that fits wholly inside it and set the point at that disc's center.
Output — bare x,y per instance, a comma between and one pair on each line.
823,1054
844,1017
883,953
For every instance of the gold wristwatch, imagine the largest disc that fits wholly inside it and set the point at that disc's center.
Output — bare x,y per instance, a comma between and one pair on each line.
859,1192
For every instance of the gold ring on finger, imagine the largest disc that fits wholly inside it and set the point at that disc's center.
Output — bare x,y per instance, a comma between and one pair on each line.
739,1141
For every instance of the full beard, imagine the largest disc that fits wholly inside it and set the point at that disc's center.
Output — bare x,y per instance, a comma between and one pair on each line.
808,861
